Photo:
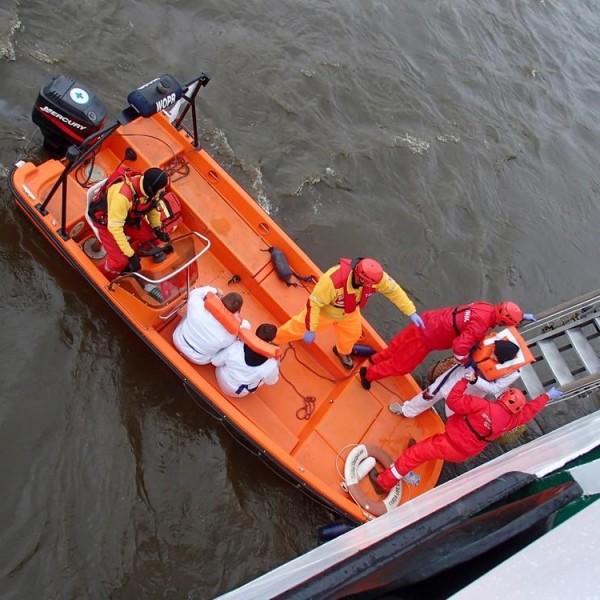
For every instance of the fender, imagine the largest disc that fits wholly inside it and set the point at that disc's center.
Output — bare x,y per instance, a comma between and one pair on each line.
232,324
351,480
283,269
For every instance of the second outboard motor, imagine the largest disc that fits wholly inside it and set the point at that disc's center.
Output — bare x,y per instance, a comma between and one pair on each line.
67,112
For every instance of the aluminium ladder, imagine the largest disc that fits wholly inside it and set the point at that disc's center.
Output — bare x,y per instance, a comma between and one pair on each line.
565,341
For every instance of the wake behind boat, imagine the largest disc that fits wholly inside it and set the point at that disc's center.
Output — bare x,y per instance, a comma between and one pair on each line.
309,422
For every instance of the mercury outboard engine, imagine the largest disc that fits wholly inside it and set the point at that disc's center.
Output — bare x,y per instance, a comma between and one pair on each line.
67,112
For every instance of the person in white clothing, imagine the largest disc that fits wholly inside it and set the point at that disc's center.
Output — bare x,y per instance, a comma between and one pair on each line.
241,371
441,387
200,336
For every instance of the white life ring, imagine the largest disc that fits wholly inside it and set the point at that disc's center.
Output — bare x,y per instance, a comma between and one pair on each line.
351,479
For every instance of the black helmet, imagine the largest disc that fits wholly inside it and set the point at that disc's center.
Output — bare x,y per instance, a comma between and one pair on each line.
155,179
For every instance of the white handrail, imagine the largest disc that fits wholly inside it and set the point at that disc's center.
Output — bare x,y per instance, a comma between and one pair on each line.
170,275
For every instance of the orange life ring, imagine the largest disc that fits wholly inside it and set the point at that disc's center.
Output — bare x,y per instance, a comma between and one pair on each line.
372,506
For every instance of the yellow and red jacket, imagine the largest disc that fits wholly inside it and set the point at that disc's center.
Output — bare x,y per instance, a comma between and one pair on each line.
126,203
335,295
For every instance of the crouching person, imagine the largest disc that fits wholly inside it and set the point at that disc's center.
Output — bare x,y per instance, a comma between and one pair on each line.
475,423
246,365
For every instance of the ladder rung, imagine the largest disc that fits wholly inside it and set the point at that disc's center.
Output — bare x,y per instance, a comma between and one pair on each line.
583,347
583,386
531,381
556,362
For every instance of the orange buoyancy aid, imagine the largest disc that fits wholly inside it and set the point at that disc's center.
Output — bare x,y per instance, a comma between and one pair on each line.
232,324
340,280
169,208
487,364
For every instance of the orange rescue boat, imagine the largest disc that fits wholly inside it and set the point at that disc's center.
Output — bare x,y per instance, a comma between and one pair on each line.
310,421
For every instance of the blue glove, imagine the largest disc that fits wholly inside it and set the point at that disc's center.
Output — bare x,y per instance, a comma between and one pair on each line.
309,337
470,375
554,393
529,317
416,319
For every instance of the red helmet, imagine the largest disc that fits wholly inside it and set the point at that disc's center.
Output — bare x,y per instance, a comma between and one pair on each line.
508,313
513,399
368,270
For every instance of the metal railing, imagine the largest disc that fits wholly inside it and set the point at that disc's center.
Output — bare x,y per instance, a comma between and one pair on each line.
183,267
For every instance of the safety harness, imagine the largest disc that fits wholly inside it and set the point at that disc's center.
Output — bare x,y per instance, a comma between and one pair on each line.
340,279
131,189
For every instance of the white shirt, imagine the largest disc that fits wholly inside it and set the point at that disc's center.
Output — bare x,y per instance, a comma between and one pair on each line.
233,373
200,336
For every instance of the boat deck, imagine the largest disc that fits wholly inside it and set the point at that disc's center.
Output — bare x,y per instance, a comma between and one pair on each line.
215,208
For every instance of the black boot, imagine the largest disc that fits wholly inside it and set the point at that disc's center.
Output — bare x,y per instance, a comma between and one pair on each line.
345,359
363,378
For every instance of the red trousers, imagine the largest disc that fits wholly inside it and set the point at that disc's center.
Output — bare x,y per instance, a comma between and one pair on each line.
116,261
405,352
437,446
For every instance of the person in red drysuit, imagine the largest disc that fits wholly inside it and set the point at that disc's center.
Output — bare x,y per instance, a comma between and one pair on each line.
459,328
475,423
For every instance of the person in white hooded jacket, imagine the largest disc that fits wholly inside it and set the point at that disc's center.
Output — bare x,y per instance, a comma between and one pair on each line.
199,335
241,371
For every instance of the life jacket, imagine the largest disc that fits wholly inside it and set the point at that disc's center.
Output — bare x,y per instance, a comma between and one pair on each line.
130,188
488,366
340,280
232,323
170,211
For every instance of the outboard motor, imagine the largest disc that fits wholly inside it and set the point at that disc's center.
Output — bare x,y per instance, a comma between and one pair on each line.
67,112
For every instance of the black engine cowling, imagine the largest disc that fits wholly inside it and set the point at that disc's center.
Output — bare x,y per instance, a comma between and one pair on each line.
67,112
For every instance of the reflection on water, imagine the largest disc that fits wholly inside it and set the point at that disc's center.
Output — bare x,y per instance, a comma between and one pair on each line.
456,143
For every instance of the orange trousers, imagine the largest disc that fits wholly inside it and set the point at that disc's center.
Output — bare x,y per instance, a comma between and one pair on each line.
348,330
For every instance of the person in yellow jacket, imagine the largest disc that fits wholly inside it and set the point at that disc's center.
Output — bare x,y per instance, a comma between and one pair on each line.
337,299
127,208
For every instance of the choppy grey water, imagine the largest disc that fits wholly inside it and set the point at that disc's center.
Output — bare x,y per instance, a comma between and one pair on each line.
457,142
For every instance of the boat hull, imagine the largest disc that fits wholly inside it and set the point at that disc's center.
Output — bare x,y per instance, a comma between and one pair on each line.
224,240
